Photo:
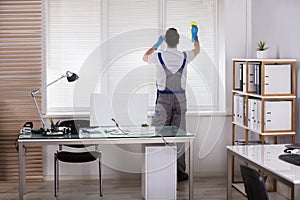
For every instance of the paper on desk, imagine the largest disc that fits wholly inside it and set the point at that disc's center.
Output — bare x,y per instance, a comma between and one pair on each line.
90,132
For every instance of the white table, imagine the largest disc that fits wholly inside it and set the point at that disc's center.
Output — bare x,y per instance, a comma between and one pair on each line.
160,135
265,157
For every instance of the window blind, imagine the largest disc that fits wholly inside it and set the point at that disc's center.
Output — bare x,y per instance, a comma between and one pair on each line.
133,27
20,54
73,33
202,81
121,33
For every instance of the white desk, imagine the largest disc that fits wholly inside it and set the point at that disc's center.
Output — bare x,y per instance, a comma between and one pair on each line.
170,135
265,157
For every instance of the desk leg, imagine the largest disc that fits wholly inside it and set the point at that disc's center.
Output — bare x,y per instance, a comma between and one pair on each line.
191,165
296,192
22,181
229,175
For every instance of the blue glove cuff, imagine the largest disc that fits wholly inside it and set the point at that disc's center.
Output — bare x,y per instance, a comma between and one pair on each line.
158,43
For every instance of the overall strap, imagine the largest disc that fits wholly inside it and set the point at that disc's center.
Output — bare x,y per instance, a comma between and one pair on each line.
184,60
161,60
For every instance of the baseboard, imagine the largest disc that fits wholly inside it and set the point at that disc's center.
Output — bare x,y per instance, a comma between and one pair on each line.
209,174
120,176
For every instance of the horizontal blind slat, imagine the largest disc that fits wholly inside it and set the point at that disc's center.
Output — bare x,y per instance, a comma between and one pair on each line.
21,73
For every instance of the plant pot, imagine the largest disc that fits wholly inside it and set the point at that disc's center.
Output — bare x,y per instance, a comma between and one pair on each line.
144,130
261,54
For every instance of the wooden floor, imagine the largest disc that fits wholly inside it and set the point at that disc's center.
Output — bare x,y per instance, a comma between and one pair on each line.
204,188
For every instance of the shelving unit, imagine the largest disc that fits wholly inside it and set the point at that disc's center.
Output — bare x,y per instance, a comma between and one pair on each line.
243,82
263,89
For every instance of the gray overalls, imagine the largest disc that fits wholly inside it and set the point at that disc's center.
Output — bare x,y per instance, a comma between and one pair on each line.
170,106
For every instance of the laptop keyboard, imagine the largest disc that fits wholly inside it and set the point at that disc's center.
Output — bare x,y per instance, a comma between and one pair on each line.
291,158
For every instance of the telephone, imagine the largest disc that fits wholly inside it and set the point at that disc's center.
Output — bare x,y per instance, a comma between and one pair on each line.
27,127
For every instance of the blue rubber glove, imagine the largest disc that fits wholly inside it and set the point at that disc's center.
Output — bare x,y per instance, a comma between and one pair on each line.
194,32
158,43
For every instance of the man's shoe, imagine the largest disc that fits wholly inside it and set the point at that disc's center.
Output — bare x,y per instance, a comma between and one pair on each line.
181,176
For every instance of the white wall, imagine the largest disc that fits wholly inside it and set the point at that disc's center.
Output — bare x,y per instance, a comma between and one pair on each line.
277,22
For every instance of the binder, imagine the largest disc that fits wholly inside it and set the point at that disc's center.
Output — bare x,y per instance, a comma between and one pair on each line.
251,77
252,114
278,115
236,108
257,78
244,78
239,109
254,110
242,110
277,79
249,113
237,76
241,76
259,115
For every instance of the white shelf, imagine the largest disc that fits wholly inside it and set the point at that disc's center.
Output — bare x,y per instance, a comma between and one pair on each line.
277,133
239,125
274,133
263,97
262,60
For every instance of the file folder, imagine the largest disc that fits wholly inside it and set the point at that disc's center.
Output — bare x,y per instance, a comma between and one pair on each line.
237,76
257,78
242,118
239,109
255,113
259,115
236,109
252,114
251,78
241,77
249,113
244,78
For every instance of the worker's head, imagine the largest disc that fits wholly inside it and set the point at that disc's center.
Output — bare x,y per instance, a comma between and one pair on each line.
172,37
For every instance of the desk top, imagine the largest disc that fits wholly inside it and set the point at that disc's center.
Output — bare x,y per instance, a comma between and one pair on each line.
112,133
266,156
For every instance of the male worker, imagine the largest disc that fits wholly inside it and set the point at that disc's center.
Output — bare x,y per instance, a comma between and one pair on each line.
171,73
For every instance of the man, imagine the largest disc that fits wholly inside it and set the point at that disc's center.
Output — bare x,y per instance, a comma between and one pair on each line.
171,73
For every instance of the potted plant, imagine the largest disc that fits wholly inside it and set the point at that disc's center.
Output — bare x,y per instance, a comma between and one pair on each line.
144,129
261,50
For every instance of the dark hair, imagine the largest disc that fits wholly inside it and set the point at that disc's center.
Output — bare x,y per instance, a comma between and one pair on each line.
172,37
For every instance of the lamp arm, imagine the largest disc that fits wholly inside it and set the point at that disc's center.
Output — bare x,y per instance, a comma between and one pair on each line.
38,109
34,92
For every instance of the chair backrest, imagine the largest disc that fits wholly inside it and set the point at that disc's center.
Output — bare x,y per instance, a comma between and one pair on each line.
254,184
75,125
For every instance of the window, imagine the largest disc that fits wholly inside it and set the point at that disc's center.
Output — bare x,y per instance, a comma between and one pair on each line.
73,32
103,41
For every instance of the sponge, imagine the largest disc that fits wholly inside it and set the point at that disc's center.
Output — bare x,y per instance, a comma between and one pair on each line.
193,23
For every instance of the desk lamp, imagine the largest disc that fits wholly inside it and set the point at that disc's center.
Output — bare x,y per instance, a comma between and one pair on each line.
70,77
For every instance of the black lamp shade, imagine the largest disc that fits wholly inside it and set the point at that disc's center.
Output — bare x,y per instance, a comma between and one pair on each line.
71,76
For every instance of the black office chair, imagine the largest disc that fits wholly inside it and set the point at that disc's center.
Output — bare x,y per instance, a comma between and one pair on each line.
75,157
254,184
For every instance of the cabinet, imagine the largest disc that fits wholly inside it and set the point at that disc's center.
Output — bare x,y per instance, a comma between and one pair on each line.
159,182
264,98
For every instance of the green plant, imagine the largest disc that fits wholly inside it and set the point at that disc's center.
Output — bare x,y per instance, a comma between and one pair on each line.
261,46
145,125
